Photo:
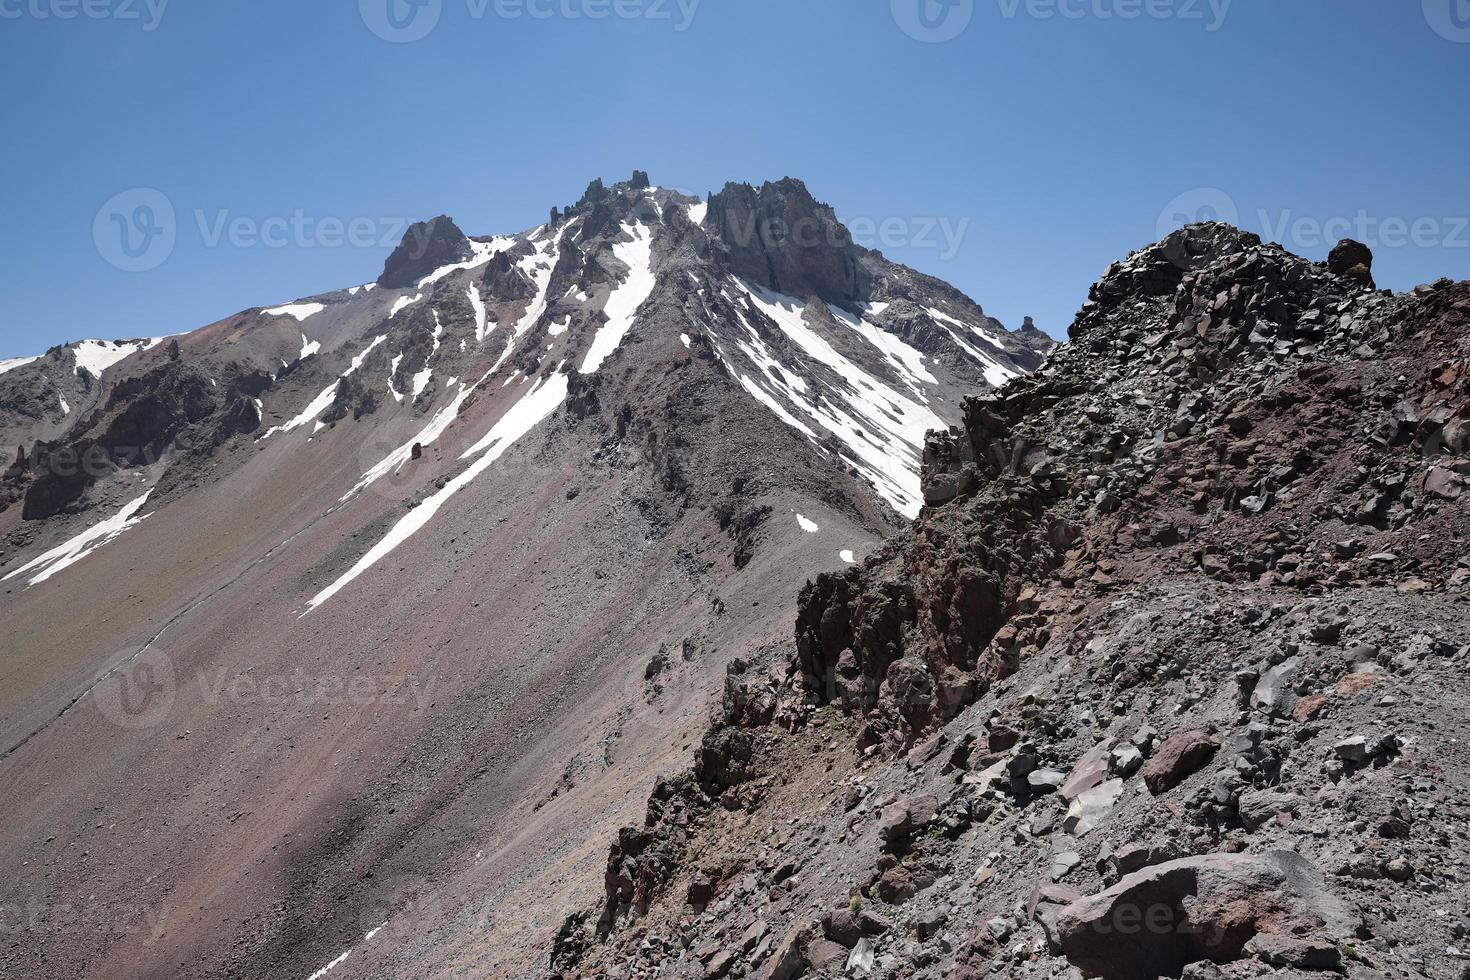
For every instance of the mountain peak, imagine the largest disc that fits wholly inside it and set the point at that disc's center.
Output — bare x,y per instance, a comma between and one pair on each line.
426,246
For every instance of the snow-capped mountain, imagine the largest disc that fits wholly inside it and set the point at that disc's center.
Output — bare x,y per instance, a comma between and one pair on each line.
399,596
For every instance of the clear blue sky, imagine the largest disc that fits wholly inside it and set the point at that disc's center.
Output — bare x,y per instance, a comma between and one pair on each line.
1015,159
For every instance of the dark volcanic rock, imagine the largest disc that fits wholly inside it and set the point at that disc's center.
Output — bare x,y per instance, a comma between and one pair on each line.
427,246
1354,260
782,238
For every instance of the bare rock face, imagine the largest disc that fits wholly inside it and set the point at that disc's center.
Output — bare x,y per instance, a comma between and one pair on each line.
427,246
1274,907
1353,260
781,237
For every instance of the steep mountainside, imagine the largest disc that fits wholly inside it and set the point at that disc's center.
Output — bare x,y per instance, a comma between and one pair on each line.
1168,679
346,632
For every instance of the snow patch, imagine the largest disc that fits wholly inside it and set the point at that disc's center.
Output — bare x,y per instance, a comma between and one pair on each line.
482,317
299,310
330,966
847,556
96,356
697,212
684,339
67,554
402,303
15,362
622,305
308,348
809,526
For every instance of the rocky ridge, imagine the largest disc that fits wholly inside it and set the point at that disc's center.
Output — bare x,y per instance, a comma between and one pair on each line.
1167,679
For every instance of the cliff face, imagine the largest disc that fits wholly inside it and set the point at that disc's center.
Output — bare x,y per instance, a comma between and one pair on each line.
1179,633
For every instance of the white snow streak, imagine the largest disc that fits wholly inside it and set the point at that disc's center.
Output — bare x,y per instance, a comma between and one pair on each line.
625,300
299,310
402,303
330,966
533,407
308,348
65,555
698,211
481,316
807,525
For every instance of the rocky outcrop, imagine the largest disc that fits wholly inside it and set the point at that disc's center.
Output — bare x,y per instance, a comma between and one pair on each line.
427,246
1140,693
782,238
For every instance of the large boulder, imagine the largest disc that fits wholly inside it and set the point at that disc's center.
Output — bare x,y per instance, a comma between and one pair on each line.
1274,907
1353,260
1182,755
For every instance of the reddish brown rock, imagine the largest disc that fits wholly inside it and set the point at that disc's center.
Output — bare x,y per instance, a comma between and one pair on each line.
1182,755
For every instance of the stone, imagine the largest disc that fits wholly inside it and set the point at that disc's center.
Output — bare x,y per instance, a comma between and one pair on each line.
841,926
1089,772
1258,808
1062,864
1091,808
1353,260
1273,693
1125,760
1133,858
861,958
1219,907
788,963
823,954
999,928
1045,781
1353,751
1180,756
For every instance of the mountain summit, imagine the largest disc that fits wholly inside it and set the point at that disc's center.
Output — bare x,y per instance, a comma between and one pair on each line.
387,605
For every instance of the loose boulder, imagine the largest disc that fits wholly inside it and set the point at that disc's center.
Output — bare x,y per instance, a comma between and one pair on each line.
1274,907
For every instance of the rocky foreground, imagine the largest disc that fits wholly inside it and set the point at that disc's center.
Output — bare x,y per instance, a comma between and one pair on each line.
1168,679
